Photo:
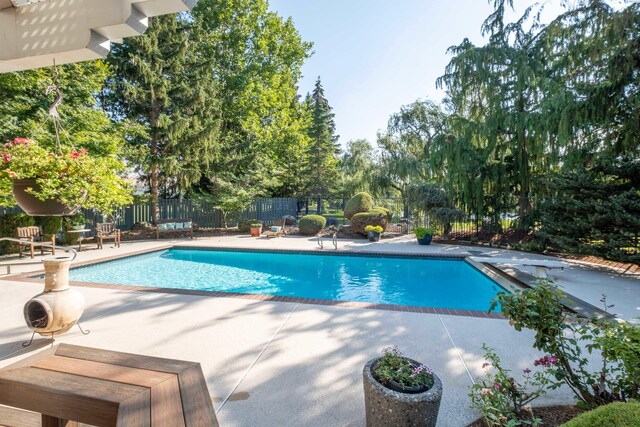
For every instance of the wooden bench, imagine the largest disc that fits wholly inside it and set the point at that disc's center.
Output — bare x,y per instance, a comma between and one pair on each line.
174,226
34,237
69,384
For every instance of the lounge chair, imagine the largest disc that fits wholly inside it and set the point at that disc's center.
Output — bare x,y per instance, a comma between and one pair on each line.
35,237
107,231
276,230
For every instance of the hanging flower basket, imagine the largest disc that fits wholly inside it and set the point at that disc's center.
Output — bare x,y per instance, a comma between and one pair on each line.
33,206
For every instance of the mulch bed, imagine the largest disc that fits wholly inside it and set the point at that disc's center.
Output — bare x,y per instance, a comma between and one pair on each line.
551,416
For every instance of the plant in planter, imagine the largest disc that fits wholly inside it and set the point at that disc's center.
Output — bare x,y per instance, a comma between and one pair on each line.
256,229
57,182
399,391
373,232
424,235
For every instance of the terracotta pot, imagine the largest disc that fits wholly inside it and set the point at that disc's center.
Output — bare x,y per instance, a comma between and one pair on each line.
256,231
386,407
33,206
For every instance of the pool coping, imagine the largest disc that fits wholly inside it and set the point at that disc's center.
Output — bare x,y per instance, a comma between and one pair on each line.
30,277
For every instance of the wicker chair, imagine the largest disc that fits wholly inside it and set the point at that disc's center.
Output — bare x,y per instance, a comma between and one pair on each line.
33,234
107,231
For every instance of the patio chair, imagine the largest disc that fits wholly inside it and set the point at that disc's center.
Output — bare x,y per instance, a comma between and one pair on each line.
107,231
33,234
276,231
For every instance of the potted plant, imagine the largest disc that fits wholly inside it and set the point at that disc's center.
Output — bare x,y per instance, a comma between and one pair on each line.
373,232
399,391
424,235
256,229
55,182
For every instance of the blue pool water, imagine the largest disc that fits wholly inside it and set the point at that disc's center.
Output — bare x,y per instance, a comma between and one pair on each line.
387,280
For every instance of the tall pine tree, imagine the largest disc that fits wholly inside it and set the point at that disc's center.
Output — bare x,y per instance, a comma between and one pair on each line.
322,167
161,88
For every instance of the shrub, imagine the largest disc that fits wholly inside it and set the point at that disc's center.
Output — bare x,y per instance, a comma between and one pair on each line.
8,225
540,309
245,224
311,224
615,414
501,399
361,202
386,211
420,232
50,224
373,217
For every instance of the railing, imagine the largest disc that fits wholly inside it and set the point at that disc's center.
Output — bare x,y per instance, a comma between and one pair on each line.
27,243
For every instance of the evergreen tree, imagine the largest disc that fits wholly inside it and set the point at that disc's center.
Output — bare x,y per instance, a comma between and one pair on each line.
161,88
322,167
256,57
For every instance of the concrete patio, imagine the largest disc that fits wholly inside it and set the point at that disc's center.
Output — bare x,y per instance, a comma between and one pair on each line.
288,364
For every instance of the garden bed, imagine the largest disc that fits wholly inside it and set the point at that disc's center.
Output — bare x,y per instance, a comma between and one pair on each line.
551,416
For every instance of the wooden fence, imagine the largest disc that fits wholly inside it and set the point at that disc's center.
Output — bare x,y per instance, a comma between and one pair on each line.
202,214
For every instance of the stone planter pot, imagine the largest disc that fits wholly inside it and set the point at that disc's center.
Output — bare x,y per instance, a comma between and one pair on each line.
33,206
426,240
256,231
386,407
373,236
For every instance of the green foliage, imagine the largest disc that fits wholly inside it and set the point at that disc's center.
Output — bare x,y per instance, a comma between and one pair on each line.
8,225
24,114
387,212
322,165
245,224
393,366
420,232
356,166
160,87
361,202
255,57
614,414
540,309
310,225
501,398
374,217
374,228
50,224
64,174
596,210
70,239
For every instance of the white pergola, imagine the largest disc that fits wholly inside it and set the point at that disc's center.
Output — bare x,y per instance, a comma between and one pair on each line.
35,33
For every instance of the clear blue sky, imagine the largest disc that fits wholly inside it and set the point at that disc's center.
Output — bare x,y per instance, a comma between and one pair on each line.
374,56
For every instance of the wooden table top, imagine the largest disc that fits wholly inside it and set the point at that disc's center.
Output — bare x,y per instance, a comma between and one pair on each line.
108,388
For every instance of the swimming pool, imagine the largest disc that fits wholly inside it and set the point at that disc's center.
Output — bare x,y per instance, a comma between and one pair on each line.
437,283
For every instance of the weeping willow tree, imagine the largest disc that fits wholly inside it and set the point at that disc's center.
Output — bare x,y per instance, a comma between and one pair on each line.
410,151
495,93
537,99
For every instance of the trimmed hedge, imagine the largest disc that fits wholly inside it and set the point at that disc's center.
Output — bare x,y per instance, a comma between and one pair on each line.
361,202
614,414
386,211
244,225
311,224
8,225
374,217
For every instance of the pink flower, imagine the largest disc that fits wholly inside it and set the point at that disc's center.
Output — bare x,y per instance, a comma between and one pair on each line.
526,370
18,141
485,364
7,158
553,360
485,391
497,386
75,154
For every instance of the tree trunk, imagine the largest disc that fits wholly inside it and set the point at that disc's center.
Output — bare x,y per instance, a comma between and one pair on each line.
155,208
153,119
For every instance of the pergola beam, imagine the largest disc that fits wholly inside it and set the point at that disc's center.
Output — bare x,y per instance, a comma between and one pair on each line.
35,33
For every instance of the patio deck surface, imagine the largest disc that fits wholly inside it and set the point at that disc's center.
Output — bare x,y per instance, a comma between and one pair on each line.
288,364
